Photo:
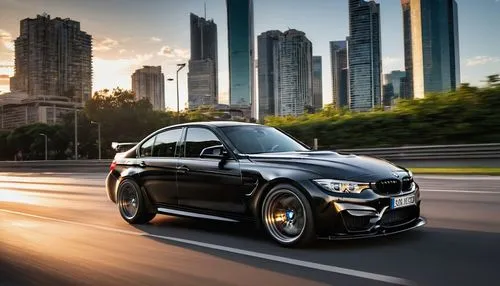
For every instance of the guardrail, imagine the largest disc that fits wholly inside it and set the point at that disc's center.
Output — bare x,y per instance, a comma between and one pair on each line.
463,151
56,165
464,155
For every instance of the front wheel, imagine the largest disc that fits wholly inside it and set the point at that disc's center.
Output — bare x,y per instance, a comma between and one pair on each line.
131,203
287,216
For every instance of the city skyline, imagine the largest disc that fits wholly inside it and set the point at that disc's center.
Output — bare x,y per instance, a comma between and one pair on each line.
431,45
364,54
293,78
53,57
121,49
202,75
149,83
338,73
267,48
241,49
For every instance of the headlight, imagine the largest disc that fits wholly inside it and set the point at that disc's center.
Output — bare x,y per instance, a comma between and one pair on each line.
338,186
410,173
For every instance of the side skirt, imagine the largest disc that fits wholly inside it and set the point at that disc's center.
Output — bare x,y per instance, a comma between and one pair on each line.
185,213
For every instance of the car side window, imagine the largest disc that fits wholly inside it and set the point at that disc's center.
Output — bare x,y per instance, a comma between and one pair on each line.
198,139
147,148
166,143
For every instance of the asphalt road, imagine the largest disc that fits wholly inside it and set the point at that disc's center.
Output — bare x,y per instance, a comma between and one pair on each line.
60,229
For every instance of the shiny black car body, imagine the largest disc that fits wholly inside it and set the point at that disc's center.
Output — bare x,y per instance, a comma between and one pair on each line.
235,171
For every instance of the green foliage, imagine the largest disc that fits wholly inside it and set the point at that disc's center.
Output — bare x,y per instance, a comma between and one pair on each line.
468,115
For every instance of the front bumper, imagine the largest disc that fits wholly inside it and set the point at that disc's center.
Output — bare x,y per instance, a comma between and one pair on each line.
367,214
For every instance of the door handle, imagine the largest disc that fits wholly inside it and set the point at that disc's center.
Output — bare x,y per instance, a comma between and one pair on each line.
182,169
142,164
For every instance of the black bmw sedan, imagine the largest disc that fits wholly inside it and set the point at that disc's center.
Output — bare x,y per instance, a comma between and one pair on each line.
235,172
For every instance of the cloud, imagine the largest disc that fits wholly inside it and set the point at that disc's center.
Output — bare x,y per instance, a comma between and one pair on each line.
121,51
481,60
105,44
392,63
155,39
175,54
111,73
143,57
6,40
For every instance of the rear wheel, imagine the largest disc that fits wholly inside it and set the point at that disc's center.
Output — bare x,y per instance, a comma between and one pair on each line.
131,203
287,216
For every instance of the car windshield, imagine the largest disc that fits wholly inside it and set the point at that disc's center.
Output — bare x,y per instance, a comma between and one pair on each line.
261,139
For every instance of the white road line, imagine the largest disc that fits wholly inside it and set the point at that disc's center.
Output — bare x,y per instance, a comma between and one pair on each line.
270,257
459,191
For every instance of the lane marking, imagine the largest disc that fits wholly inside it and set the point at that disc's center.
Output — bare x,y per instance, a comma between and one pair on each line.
270,257
459,191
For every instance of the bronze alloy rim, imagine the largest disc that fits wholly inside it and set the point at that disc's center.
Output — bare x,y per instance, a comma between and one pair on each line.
284,215
129,201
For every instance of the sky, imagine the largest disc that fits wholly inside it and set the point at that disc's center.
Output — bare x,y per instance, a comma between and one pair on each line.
128,34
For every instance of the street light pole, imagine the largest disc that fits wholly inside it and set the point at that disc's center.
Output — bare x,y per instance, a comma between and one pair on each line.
168,79
179,67
76,133
98,136
45,135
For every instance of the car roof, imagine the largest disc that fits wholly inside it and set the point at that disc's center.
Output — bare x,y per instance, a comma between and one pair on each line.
216,124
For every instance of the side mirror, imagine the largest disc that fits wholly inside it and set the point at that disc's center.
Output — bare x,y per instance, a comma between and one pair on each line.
214,152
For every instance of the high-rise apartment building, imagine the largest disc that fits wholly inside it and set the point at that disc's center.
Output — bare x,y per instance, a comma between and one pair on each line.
293,74
202,76
53,57
431,45
241,54
267,48
364,55
149,83
317,85
339,70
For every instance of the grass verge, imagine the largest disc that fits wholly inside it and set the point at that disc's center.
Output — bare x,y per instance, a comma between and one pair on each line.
458,171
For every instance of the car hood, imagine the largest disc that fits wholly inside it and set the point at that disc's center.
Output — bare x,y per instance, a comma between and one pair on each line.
333,165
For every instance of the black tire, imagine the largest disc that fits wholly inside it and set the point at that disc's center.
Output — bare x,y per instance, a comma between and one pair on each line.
132,204
294,226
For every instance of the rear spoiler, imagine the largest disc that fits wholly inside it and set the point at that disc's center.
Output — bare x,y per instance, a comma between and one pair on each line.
120,147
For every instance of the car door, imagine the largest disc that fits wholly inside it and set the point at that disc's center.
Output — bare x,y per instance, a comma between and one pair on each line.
208,183
159,166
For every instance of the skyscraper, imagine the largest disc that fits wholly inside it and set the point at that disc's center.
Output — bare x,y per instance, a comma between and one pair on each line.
241,54
53,57
394,78
364,55
293,74
431,38
392,87
407,88
267,48
317,85
338,58
202,76
149,83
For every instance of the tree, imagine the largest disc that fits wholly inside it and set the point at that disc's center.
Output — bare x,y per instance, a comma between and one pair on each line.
493,80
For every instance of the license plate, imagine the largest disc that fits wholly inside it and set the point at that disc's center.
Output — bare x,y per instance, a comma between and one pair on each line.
403,201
